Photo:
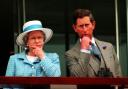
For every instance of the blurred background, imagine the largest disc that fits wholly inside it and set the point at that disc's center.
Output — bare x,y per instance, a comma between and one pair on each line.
111,25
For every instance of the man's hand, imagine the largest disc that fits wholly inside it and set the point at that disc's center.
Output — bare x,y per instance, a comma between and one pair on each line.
85,42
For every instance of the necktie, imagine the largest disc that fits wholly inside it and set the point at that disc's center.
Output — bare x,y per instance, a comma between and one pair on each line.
95,51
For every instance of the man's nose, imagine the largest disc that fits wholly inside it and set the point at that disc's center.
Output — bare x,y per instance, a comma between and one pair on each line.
84,27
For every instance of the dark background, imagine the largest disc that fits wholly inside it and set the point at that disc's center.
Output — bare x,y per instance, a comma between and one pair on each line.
56,14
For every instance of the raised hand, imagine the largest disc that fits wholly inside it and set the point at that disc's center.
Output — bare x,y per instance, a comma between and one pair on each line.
37,51
85,42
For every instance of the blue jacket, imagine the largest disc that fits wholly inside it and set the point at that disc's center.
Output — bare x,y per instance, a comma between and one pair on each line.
19,65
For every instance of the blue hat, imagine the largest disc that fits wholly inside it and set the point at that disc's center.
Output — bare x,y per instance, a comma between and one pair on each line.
32,26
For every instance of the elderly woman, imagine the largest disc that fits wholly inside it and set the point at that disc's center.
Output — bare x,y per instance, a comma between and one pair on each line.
34,61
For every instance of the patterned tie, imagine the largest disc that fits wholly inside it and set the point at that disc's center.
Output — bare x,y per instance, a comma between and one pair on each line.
95,51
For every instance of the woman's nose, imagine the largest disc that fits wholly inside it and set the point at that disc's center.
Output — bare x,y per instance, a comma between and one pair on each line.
36,40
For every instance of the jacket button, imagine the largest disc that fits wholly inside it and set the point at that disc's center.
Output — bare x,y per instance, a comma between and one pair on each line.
33,67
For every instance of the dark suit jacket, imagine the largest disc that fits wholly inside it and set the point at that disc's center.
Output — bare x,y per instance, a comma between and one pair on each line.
82,64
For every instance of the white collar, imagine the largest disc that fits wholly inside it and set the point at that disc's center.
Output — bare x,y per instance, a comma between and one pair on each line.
93,41
31,58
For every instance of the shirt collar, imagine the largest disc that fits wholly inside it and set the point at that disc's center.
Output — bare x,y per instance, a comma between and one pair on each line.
93,41
22,56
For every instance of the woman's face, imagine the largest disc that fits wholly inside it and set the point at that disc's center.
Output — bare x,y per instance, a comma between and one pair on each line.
35,39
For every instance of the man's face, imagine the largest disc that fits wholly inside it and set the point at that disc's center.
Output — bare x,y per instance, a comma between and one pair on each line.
84,27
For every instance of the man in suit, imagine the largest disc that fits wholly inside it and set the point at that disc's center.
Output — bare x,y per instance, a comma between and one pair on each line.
90,57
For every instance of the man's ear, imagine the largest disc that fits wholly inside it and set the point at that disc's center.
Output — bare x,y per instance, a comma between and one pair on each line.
74,27
94,24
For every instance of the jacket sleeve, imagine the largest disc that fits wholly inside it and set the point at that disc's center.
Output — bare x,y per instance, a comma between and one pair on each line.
10,71
117,64
51,65
77,64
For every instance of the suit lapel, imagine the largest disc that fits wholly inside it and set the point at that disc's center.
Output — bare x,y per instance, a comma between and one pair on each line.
106,55
104,52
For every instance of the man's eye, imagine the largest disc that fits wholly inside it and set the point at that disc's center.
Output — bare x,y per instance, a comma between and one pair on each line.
81,26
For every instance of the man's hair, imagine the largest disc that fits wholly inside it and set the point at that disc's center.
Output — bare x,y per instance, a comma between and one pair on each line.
80,13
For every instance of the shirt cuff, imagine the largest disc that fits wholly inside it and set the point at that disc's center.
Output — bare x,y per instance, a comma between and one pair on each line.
85,51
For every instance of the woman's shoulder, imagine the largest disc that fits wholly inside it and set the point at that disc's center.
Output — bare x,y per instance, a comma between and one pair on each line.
51,54
18,55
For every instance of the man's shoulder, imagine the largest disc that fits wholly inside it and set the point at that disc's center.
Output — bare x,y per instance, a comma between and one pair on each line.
69,51
103,42
72,51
